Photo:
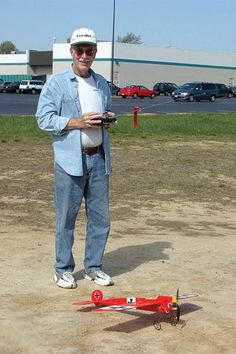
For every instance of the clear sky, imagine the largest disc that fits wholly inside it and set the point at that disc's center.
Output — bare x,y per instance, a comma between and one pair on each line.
208,25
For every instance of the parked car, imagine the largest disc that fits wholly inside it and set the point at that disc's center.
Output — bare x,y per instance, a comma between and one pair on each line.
224,91
31,86
165,88
3,86
196,91
115,91
136,91
10,87
233,88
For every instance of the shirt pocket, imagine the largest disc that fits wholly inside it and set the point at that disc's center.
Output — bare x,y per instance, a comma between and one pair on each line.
69,107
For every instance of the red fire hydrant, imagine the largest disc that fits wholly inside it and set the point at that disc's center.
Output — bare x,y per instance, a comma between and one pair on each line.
136,109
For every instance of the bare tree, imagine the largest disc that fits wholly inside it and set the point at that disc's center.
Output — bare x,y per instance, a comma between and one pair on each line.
7,47
130,38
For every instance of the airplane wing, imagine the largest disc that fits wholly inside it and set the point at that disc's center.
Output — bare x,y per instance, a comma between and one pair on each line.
187,296
115,308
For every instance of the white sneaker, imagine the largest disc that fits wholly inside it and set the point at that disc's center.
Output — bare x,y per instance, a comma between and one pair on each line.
99,277
65,280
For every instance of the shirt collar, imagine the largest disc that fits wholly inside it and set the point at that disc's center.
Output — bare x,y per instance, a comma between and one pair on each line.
72,74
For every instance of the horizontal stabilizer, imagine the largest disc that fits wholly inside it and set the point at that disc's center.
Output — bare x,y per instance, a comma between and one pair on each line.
82,302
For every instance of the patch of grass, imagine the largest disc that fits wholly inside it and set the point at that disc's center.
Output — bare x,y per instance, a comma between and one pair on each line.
175,125
20,128
204,125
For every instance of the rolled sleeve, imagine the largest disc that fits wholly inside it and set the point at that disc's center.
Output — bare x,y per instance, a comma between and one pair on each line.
48,111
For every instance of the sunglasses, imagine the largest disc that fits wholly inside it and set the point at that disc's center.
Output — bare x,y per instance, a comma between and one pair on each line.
88,51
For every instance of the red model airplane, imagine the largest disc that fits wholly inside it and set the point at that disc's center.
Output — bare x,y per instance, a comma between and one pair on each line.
162,304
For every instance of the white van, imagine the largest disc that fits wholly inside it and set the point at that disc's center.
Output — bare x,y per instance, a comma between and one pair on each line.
31,86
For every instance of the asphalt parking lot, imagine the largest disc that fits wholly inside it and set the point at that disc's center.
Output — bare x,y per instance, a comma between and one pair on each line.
26,104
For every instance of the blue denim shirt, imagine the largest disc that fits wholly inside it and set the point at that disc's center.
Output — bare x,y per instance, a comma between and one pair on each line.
58,102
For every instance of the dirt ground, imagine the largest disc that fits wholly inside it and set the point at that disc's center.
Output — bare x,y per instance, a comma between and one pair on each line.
173,226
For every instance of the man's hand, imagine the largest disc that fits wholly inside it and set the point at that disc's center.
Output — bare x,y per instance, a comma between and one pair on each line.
87,120
92,120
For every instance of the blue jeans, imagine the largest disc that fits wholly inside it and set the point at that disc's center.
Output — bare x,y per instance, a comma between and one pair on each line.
68,195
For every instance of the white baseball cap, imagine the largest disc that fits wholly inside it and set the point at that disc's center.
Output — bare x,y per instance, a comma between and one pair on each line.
83,36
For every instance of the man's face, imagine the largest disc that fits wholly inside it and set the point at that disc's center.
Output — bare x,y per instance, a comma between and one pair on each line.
83,55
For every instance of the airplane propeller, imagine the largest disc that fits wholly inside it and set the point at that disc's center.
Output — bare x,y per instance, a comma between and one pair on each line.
178,308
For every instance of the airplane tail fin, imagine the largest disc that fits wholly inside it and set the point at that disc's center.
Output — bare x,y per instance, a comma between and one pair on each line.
97,296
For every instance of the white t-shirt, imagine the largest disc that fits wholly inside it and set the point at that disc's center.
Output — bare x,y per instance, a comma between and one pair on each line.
90,101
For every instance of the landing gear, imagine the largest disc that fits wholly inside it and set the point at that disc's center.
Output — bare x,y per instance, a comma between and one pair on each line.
174,318
157,325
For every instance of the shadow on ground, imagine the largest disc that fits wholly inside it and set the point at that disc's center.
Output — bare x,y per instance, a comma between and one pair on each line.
127,258
144,320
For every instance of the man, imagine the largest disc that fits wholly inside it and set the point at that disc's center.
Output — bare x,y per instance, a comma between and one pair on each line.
70,108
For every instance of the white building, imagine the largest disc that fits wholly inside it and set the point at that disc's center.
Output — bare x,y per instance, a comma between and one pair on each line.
142,64
32,63
133,64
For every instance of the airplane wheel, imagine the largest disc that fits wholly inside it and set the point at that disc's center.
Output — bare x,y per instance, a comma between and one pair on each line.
173,321
157,325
